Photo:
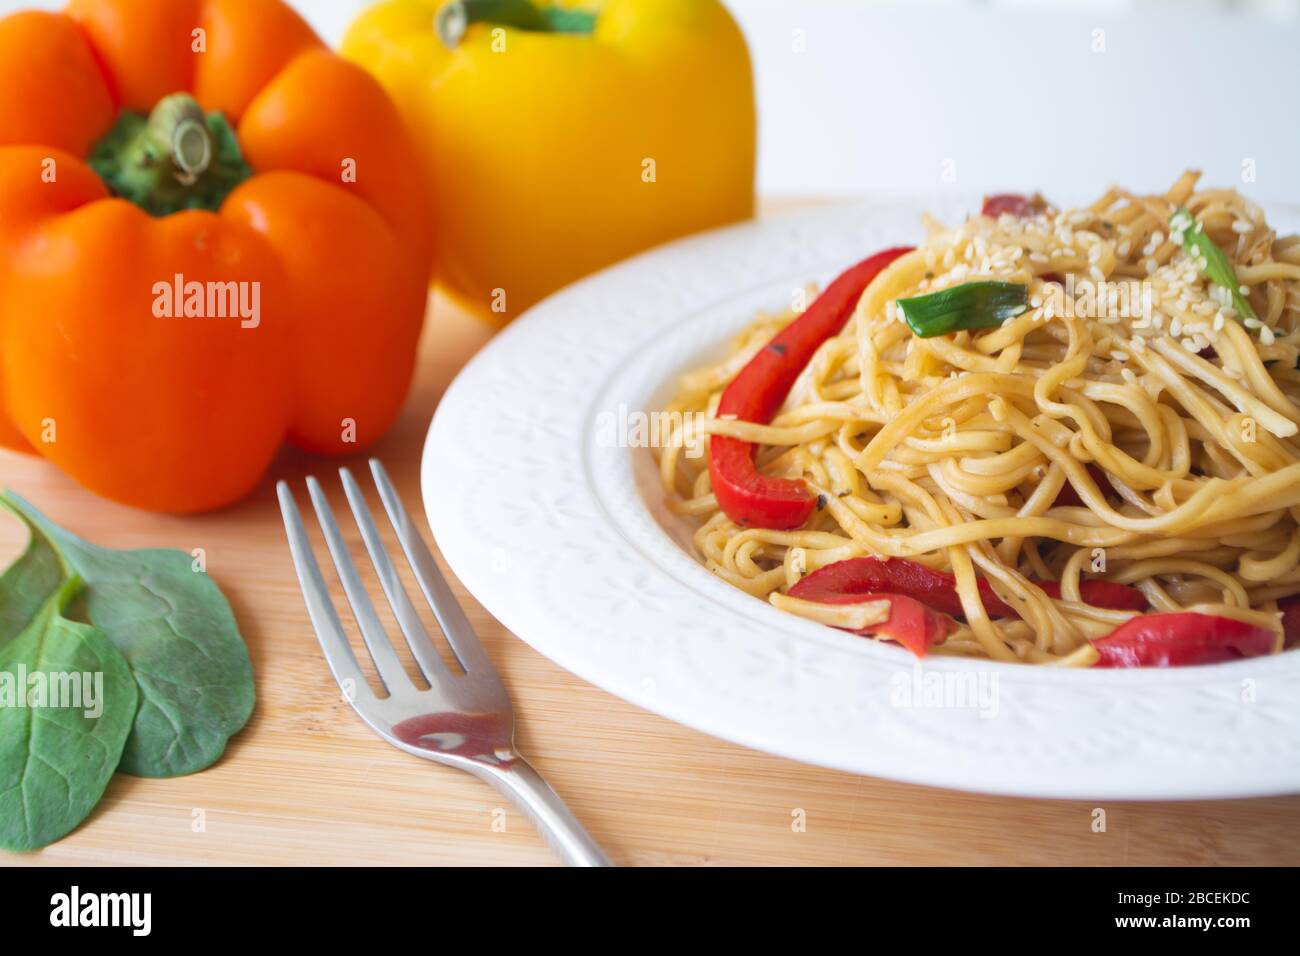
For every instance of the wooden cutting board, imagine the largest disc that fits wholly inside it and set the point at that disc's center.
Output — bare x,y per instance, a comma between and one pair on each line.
307,783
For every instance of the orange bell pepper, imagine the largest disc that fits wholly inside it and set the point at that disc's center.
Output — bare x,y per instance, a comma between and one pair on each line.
186,281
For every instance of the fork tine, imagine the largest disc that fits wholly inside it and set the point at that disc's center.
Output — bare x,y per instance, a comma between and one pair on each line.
324,618
387,664
417,638
451,617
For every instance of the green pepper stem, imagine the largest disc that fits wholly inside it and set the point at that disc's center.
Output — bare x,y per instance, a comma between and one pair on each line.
178,157
178,130
455,17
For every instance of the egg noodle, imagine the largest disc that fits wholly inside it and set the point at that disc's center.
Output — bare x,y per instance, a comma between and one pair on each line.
1128,365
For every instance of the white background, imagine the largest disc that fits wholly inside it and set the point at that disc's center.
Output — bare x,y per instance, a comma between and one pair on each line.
892,97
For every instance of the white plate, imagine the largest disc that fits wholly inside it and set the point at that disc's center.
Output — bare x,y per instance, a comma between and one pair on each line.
564,539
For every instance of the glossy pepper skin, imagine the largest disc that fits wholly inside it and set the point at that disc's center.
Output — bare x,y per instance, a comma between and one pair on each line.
755,500
183,414
859,577
1182,639
537,145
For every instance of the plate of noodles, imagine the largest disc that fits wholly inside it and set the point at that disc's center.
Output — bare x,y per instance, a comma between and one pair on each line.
995,493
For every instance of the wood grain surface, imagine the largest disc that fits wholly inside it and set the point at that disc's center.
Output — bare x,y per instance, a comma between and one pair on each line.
307,783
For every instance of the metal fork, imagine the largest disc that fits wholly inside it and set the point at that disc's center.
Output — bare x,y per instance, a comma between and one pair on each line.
462,720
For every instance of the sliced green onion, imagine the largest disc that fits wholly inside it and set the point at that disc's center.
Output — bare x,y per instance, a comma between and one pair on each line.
1209,258
972,305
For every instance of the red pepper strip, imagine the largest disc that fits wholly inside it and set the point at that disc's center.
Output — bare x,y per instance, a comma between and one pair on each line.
1290,608
1181,640
938,589
1022,207
1068,497
910,623
1098,593
864,576
756,393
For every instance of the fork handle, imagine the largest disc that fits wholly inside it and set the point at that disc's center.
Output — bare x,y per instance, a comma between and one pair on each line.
525,788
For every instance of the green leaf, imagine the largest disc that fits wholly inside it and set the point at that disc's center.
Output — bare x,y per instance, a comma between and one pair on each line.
55,761
27,585
1210,259
177,633
971,305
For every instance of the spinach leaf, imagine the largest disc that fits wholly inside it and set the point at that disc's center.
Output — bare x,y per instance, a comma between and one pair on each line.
27,585
55,761
177,633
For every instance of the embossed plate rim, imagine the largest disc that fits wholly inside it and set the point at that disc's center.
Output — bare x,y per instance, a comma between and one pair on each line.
519,497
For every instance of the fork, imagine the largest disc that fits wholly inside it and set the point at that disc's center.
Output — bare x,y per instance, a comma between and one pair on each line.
464,720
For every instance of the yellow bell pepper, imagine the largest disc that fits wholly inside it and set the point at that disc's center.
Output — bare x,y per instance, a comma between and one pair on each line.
559,139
